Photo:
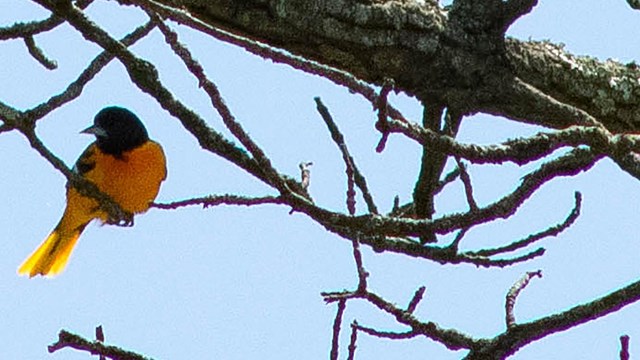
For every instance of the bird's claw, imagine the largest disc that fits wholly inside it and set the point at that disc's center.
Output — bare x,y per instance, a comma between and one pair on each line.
124,219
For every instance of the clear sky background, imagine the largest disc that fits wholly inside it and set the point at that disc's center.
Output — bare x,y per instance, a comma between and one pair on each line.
245,283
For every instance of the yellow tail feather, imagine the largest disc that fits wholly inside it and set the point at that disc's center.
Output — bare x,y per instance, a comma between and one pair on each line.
52,256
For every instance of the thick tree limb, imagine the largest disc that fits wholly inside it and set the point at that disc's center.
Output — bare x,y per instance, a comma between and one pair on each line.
428,53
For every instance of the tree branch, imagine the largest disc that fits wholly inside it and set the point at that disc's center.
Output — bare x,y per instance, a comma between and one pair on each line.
435,55
69,340
29,29
513,293
520,335
352,170
215,200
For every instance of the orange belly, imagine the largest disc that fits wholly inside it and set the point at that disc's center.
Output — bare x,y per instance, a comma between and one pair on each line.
132,180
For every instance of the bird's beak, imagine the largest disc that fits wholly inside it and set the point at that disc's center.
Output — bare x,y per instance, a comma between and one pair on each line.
94,130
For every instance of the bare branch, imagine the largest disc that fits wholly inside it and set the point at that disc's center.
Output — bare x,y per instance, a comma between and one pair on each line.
468,188
387,334
417,297
382,105
570,164
352,170
456,241
524,150
407,210
449,178
75,88
452,339
220,105
551,231
38,54
100,338
352,341
624,347
69,340
337,324
362,273
215,200
520,335
513,293
431,167
31,28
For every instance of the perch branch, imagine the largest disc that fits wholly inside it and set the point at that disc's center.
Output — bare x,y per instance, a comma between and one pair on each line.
215,200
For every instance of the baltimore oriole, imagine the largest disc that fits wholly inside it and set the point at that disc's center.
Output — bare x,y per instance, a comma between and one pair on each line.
123,163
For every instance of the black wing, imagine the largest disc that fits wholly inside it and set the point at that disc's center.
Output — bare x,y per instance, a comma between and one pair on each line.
86,161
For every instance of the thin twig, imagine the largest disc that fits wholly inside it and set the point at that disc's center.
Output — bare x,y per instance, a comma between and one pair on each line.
337,324
100,339
452,339
393,335
407,210
214,200
513,293
456,241
522,334
551,231
570,164
352,170
415,300
449,178
522,150
75,88
220,105
468,188
362,273
382,105
353,339
624,347
38,54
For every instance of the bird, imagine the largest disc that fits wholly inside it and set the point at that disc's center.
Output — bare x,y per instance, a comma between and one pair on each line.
124,164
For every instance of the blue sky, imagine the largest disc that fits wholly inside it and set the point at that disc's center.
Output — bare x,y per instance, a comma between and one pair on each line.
245,283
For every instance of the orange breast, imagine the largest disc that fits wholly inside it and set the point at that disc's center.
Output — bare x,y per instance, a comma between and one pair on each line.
133,180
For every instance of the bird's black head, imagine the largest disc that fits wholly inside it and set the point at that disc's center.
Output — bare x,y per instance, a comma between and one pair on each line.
117,130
